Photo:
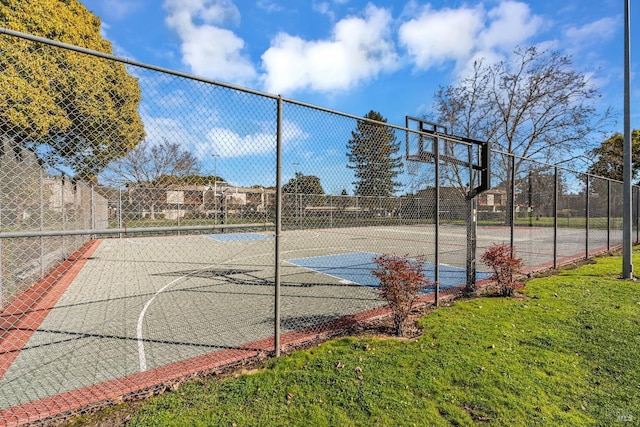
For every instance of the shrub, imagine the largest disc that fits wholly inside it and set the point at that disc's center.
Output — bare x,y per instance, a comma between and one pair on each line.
401,281
502,260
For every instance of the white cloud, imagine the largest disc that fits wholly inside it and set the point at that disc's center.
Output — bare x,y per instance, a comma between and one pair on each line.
208,49
228,143
217,12
511,24
601,30
438,36
269,6
465,34
359,49
166,128
323,8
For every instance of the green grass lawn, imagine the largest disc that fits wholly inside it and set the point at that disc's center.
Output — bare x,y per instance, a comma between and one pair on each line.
568,353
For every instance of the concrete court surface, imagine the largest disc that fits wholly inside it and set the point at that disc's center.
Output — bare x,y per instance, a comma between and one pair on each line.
144,302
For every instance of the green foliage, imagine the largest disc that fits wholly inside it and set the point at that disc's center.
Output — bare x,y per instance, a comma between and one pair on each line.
79,111
201,180
372,153
303,184
609,163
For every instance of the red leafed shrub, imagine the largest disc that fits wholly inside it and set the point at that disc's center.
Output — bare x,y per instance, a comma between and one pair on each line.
505,266
401,281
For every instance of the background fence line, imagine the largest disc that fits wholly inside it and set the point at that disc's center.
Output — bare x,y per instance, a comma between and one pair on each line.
235,249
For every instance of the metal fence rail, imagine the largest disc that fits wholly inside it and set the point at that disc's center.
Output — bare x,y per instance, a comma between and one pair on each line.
246,236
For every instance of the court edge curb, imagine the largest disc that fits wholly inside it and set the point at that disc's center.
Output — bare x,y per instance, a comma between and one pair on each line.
151,382
22,317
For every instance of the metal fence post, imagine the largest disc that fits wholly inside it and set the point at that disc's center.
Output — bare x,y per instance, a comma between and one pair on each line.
512,162
276,314
555,216
472,230
92,210
472,243
586,218
637,214
608,215
436,272
62,213
330,211
41,190
178,212
120,209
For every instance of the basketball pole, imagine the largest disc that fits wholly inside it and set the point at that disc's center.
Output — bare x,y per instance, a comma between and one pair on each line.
627,262
278,237
472,228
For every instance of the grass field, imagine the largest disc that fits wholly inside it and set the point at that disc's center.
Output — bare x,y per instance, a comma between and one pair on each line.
567,353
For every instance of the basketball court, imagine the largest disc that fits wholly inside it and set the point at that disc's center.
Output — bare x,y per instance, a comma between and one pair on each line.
141,303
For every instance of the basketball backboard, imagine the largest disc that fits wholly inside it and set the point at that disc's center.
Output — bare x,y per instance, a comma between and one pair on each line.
429,142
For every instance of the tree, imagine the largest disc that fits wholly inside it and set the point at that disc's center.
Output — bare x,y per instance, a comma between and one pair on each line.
155,165
609,157
372,153
533,106
149,168
299,185
303,184
72,109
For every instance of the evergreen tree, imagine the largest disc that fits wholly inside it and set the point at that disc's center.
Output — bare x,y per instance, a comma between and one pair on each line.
373,154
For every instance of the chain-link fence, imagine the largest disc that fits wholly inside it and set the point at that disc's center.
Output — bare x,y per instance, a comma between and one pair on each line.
157,226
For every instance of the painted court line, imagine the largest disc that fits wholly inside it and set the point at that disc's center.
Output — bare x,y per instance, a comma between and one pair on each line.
356,267
237,237
142,357
351,267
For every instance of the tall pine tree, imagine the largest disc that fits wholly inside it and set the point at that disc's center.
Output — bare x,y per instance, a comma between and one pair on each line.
372,153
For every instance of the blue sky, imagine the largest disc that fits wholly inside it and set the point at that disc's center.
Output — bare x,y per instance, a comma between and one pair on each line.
355,56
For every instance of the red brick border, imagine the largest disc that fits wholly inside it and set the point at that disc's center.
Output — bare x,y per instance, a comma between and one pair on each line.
146,383
24,315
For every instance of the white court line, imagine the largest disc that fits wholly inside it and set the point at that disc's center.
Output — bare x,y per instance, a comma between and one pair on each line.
139,338
141,354
340,279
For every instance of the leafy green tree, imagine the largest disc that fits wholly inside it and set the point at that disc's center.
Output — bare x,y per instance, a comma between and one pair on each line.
303,184
609,157
72,109
372,153
308,185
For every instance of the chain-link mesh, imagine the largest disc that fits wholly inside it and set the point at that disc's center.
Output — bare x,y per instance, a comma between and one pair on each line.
141,223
